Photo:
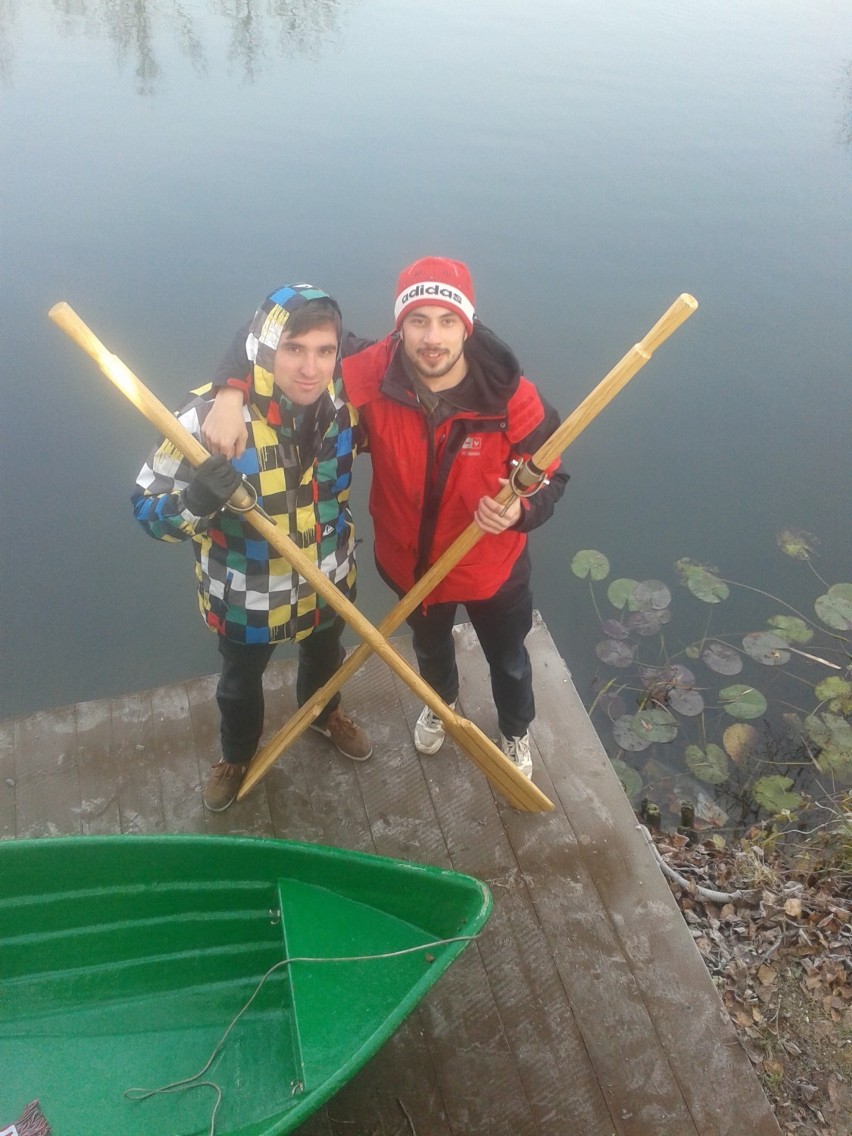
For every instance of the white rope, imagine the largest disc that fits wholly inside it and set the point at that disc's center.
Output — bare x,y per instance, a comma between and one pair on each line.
195,1081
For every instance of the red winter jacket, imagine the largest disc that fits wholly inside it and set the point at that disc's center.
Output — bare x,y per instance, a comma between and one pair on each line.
428,478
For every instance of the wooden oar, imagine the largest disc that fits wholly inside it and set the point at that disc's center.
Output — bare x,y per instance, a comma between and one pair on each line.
505,776
560,439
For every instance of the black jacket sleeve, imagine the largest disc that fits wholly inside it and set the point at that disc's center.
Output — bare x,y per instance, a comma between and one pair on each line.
539,507
351,344
234,363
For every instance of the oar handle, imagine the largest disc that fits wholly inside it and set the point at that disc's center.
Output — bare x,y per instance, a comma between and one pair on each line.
679,311
611,384
120,375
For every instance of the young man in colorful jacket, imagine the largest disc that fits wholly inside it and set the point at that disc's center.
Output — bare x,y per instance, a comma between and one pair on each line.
300,443
446,412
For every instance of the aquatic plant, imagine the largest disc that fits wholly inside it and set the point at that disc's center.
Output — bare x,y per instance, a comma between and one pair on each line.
688,695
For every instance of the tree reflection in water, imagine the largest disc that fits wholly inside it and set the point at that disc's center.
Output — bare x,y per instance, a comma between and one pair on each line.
257,29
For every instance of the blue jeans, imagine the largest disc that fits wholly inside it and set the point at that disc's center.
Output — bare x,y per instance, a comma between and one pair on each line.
239,693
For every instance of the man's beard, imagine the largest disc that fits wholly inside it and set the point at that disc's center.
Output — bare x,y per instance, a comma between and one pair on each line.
436,370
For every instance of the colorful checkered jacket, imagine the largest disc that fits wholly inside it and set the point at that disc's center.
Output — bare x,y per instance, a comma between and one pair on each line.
246,591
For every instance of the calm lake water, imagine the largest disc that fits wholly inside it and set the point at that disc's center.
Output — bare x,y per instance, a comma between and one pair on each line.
166,164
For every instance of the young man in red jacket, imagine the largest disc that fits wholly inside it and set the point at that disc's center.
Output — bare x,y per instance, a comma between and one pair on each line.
446,412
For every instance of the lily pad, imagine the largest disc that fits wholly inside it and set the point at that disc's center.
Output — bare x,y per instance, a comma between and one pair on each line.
707,587
835,607
666,676
590,563
773,794
766,648
791,628
648,622
686,701
652,595
817,730
704,584
626,736
631,781
829,730
722,659
620,593
709,765
740,741
615,653
836,761
655,724
673,687
797,543
839,729
615,629
742,701
685,566
836,692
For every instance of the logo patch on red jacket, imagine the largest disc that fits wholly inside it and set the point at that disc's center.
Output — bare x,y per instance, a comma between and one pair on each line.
472,446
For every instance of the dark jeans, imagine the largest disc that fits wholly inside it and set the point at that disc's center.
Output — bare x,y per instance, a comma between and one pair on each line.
240,690
501,624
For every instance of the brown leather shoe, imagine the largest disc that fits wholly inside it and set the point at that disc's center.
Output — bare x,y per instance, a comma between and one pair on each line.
223,784
345,736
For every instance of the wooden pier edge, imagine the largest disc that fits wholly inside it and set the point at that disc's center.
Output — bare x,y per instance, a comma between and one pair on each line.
585,1009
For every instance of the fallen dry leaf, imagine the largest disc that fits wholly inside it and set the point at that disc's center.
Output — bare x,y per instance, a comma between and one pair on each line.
781,956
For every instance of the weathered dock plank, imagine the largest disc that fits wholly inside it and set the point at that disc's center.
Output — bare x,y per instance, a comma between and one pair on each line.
640,1089
94,747
47,785
136,776
583,1009
7,780
688,1019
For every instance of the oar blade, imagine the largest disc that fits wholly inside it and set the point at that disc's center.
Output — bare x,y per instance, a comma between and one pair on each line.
266,757
506,778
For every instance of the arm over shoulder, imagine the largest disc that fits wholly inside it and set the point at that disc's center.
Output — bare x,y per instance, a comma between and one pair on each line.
234,368
363,372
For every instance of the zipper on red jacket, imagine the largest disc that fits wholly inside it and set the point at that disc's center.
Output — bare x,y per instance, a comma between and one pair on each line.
429,511
438,474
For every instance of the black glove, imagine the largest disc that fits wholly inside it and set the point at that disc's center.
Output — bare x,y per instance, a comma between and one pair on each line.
212,484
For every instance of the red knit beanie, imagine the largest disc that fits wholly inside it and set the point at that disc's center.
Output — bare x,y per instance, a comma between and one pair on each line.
438,281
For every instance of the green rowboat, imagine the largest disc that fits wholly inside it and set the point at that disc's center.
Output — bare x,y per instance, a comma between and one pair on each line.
124,960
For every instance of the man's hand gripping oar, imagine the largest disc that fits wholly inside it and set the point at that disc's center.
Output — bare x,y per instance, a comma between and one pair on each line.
525,479
505,777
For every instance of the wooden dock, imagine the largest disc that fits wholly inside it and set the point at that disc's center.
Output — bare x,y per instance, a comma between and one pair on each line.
584,1009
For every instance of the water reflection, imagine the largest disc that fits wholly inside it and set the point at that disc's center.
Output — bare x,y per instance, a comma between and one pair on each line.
254,31
846,96
7,23
298,26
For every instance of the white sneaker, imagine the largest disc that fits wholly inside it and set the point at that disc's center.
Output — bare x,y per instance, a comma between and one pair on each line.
518,752
429,731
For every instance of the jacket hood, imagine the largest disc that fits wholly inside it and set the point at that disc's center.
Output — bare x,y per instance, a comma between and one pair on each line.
493,371
267,327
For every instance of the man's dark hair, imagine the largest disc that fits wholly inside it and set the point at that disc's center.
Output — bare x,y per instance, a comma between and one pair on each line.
313,314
